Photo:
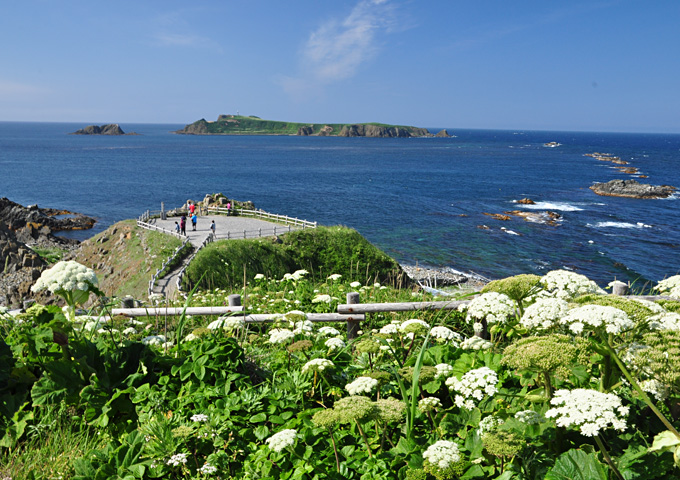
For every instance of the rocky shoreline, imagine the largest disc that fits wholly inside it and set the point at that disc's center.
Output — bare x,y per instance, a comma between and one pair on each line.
443,277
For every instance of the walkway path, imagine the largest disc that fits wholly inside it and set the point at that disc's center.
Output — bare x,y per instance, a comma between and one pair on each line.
225,227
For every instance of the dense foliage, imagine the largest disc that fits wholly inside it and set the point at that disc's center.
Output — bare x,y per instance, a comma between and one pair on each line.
321,251
579,392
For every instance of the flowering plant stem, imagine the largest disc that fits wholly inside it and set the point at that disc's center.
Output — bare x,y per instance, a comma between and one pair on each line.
641,392
607,458
363,435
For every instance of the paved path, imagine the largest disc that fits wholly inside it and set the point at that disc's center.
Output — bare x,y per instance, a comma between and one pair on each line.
225,227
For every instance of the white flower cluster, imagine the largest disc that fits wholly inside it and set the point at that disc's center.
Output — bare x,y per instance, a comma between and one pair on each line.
665,321
670,286
177,459
335,276
259,276
355,284
317,365
362,385
443,454
414,326
130,331
475,343
296,275
282,439
473,386
589,410
304,327
335,343
228,323
199,417
154,340
66,276
656,388
529,417
446,335
322,298
390,329
489,423
495,307
429,403
280,335
611,319
545,313
329,332
444,370
568,285
207,469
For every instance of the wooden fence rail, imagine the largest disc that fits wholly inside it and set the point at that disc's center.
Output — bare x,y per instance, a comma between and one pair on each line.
285,219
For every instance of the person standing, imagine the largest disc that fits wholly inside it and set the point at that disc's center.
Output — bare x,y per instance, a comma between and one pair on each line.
183,225
194,219
212,227
192,207
177,228
228,208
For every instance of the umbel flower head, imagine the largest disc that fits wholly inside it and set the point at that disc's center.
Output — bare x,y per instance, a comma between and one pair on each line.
551,354
442,454
361,385
317,365
589,410
568,285
670,286
544,314
495,307
282,439
70,280
596,317
474,385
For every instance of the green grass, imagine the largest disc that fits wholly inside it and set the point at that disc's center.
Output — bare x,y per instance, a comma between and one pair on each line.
321,251
50,255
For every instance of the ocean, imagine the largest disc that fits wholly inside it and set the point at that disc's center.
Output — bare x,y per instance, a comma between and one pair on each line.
422,200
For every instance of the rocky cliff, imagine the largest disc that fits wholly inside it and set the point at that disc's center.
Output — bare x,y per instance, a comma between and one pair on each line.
368,130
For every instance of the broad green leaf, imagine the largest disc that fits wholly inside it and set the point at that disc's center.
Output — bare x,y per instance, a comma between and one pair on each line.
577,465
664,441
260,417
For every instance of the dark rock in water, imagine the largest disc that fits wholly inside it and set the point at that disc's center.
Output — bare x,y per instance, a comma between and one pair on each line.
632,189
305,131
443,133
526,201
30,223
109,129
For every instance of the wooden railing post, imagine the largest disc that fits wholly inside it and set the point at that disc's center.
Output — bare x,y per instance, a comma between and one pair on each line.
352,325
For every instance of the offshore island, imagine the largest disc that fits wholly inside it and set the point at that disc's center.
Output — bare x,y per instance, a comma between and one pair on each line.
252,125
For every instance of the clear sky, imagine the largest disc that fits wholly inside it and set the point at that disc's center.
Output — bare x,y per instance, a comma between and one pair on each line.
584,65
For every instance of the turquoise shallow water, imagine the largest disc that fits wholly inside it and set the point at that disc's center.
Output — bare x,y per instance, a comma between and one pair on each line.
421,200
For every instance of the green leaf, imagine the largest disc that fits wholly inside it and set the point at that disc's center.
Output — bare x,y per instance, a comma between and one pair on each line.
577,465
664,441
260,417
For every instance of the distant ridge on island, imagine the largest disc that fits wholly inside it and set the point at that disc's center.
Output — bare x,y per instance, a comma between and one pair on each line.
251,125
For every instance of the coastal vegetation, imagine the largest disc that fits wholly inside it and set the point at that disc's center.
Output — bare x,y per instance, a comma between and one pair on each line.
251,125
537,378
321,251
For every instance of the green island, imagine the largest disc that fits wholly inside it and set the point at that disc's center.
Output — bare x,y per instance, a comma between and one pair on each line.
533,377
252,125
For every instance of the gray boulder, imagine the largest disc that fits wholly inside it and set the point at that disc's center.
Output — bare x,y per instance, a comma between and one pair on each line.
632,189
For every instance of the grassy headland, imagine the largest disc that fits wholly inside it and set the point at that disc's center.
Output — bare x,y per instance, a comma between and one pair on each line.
321,251
242,125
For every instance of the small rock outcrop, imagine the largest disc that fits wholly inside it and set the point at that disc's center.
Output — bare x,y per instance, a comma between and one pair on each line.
199,127
17,217
443,134
305,131
109,129
632,189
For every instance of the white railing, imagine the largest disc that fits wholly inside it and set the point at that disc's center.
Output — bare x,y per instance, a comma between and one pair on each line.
285,219
150,226
180,276
152,282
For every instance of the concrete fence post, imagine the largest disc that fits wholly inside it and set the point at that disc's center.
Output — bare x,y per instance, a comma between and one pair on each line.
353,326
619,288
234,300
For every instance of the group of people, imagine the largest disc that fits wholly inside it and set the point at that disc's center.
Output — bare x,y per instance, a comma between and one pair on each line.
181,227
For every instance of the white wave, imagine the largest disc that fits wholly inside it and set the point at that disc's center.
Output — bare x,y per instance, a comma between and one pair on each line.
618,225
509,231
562,206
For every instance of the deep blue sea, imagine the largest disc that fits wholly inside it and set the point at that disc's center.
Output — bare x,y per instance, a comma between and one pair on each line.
421,200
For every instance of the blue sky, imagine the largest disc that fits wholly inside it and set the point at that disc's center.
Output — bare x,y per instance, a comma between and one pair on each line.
542,65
